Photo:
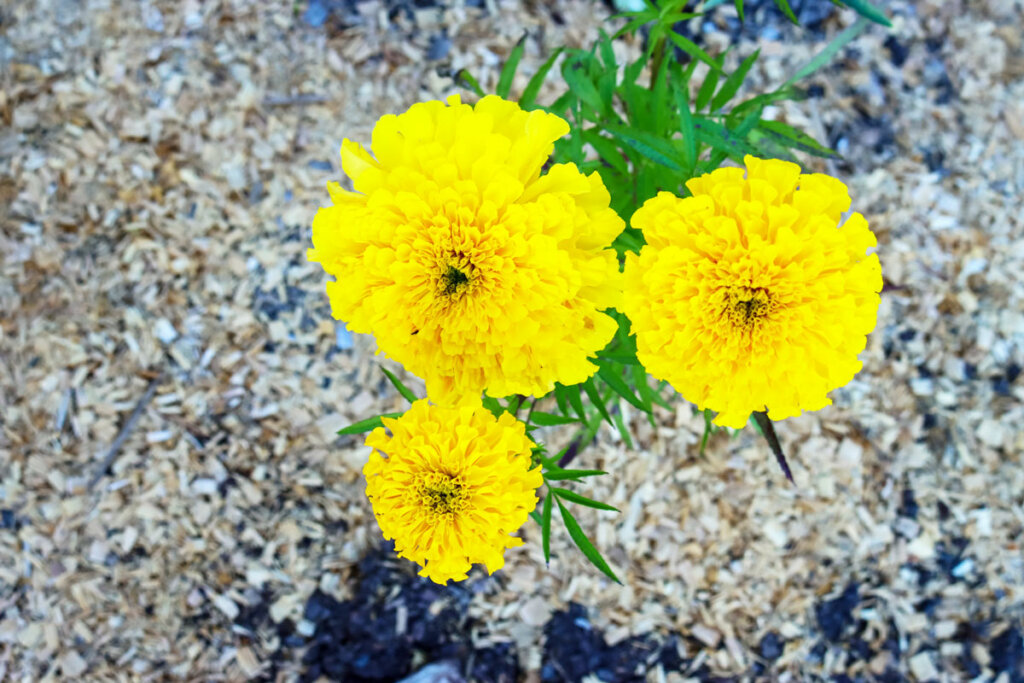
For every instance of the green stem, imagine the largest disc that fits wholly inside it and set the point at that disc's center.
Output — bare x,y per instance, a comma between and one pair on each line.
529,413
658,58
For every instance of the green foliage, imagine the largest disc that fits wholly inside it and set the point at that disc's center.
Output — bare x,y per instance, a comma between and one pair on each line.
367,425
862,7
646,126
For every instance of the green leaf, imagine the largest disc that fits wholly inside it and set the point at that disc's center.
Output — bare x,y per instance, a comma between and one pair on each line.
558,474
648,394
579,82
367,425
545,527
733,82
492,405
604,46
788,136
641,19
466,80
719,137
620,424
706,91
788,92
529,96
596,399
829,51
708,428
689,136
562,397
584,544
618,385
739,8
691,48
651,146
607,150
402,389
787,10
620,357
508,71
866,9
549,420
577,402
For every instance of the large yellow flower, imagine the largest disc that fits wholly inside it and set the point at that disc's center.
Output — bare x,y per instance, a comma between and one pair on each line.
749,295
471,268
450,484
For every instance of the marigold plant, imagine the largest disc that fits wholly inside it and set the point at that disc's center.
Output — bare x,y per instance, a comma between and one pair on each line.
749,295
450,484
482,247
469,266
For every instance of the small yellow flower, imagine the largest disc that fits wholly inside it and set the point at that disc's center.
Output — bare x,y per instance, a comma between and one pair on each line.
749,295
469,267
450,484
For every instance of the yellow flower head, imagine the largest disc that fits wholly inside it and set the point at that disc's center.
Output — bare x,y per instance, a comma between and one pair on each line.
749,295
450,484
471,268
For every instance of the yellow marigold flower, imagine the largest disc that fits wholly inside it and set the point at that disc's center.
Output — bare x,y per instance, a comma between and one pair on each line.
450,484
749,295
469,267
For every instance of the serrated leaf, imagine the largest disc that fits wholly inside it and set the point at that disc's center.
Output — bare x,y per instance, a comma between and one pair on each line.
559,474
788,136
529,96
545,527
733,82
720,138
549,419
584,544
465,79
654,148
367,425
508,71
402,389
618,385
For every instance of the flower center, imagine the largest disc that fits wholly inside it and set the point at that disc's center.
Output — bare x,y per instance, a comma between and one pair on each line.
442,494
453,280
746,307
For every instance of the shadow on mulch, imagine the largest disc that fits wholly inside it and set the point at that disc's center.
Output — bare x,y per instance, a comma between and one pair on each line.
398,622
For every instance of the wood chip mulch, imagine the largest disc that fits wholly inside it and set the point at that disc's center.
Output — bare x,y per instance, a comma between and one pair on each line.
172,493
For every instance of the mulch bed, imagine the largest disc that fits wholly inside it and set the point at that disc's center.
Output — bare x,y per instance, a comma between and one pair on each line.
160,164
